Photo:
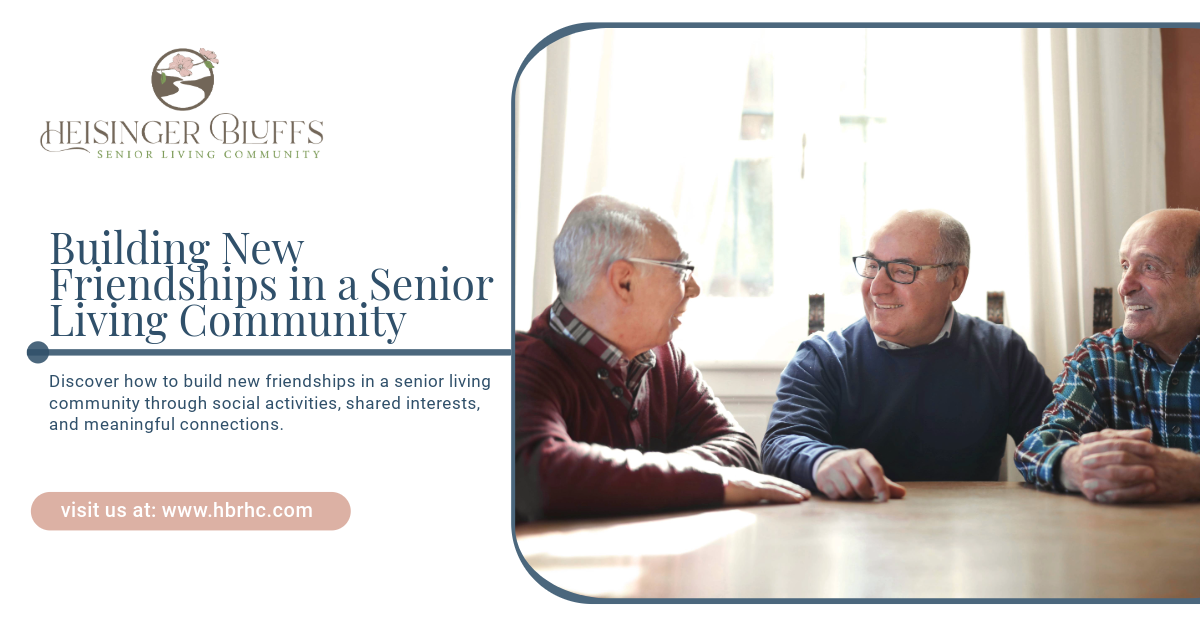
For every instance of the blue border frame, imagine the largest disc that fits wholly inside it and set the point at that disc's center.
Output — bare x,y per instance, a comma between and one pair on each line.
587,26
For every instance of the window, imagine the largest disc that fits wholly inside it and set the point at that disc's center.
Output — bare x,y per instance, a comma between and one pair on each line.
745,258
778,152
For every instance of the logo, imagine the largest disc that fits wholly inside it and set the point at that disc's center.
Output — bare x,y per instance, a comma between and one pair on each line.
183,78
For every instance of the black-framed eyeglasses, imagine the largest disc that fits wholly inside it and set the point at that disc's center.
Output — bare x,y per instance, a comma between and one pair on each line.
685,270
899,272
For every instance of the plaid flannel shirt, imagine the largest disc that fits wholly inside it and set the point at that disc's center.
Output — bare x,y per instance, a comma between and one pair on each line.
1112,381
633,372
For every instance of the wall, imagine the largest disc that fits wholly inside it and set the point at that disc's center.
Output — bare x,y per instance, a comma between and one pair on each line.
1181,115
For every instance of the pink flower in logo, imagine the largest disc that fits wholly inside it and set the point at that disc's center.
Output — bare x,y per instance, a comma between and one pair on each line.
183,64
210,55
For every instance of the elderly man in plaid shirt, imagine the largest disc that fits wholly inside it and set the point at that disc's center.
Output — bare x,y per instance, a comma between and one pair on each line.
1125,421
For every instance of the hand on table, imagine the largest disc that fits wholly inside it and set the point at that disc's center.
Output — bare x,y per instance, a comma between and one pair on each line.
1112,466
854,473
1111,434
743,486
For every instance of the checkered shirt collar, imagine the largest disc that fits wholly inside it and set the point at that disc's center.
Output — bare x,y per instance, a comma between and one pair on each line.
565,323
1147,352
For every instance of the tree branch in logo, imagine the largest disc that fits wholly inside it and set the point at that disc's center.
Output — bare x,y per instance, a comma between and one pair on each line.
183,65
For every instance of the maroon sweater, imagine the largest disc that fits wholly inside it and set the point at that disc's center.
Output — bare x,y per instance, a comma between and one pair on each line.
579,452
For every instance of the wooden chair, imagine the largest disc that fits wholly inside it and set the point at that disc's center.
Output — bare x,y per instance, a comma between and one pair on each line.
1102,310
816,313
995,307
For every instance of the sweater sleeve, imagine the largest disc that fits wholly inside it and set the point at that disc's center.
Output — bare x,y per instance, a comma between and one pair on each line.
557,476
704,427
1029,389
801,428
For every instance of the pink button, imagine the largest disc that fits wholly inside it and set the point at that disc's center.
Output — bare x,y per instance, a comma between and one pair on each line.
190,511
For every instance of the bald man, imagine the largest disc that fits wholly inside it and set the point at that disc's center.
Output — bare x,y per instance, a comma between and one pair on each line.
913,390
611,417
1125,422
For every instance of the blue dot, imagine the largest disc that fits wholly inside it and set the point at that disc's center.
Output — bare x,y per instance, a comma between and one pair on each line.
37,352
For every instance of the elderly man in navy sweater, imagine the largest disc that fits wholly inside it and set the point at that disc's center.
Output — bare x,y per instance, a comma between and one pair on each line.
912,391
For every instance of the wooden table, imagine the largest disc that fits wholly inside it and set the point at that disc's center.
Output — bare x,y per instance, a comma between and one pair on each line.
944,540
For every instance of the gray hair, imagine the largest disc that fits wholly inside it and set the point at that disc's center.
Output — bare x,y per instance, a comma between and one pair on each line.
599,231
953,247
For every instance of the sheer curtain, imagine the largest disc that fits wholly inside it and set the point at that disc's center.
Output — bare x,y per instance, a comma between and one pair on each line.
1045,143
675,111
1095,163
633,114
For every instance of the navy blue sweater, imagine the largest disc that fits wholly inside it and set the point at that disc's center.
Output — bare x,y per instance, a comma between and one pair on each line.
937,412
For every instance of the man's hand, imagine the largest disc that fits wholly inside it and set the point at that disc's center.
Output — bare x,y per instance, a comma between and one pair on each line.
743,486
1122,466
1111,434
1109,469
854,473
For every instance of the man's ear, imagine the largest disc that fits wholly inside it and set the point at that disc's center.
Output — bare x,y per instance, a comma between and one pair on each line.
960,282
621,277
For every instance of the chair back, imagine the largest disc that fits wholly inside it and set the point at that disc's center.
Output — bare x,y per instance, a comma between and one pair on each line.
1101,310
816,313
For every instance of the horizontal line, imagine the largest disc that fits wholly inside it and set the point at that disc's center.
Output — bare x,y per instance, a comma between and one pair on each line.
279,352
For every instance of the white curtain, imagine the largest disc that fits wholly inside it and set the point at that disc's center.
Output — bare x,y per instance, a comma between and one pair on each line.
647,118
652,115
1095,164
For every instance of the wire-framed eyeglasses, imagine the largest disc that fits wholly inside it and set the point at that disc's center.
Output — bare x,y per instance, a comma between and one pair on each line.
899,272
684,269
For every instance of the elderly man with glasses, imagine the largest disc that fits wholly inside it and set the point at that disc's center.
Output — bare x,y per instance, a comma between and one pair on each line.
913,390
611,418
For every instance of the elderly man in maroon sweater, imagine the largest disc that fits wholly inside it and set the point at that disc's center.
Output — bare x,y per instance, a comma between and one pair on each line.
611,417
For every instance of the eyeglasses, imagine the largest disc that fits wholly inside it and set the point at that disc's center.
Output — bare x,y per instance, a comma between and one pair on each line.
899,272
685,270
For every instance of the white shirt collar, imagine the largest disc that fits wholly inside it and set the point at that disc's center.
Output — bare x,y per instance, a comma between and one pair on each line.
891,346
